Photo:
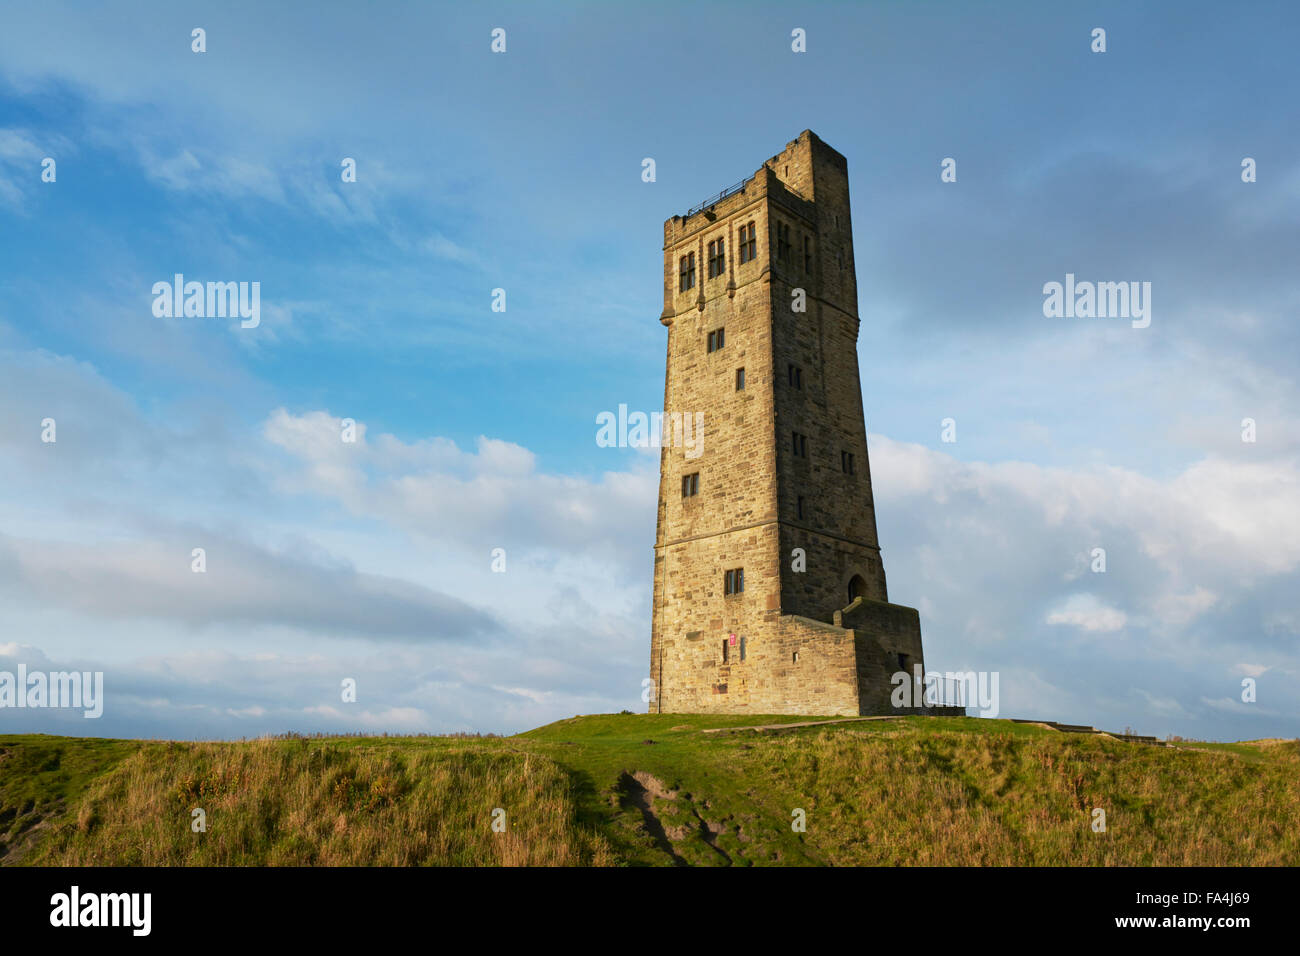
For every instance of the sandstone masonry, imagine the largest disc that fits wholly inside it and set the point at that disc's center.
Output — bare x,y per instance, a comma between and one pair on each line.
784,468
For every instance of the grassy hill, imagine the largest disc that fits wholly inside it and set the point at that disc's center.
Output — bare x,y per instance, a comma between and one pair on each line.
655,790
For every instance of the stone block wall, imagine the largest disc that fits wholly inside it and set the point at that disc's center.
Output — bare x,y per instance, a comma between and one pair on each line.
760,496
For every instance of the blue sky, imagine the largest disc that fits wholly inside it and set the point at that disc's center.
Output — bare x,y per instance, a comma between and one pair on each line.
523,171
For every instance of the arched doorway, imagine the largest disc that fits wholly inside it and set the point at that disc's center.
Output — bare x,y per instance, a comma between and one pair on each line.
857,588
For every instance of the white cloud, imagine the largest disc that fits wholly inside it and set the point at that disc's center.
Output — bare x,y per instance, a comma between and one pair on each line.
1161,706
222,175
241,584
982,548
997,557
21,154
491,497
440,247
1085,612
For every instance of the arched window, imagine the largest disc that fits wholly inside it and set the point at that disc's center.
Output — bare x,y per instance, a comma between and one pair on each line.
748,244
857,588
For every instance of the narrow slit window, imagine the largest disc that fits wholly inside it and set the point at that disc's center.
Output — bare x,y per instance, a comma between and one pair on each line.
782,242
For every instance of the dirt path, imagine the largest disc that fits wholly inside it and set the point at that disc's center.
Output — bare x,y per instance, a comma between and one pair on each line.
802,723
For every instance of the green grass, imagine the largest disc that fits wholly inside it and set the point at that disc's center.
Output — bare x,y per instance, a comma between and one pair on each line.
42,777
656,790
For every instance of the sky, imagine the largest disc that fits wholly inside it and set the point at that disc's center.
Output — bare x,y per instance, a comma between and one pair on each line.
476,429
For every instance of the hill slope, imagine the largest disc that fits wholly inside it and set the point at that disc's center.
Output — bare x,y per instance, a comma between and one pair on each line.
655,790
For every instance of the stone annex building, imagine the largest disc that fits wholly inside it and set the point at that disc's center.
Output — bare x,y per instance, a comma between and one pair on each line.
769,590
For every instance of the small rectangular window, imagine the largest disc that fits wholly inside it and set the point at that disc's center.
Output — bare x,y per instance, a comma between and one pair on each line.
795,374
800,445
742,648
716,340
735,581
687,272
726,653
740,379
807,255
690,485
800,506
846,462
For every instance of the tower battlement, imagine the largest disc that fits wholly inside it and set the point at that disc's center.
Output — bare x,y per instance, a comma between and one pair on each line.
770,531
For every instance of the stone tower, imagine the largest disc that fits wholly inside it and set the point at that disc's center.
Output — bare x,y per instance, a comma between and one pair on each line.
769,591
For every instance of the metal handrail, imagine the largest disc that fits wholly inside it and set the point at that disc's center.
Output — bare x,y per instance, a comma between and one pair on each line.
714,200
948,692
